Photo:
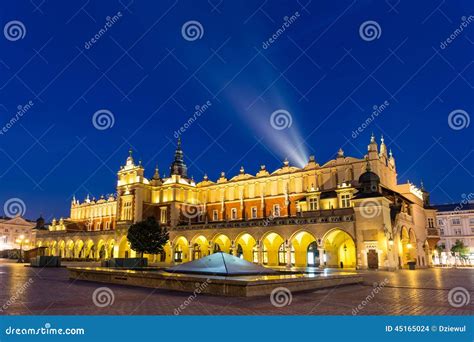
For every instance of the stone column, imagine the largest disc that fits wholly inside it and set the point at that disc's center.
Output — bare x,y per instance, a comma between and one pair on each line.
191,253
288,255
321,257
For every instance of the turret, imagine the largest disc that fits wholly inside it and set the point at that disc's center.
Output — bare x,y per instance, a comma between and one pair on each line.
372,148
178,167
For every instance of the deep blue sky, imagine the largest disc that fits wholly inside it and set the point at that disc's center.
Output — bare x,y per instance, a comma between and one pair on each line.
151,79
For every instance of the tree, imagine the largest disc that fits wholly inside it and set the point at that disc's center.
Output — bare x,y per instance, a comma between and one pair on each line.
147,236
461,248
440,248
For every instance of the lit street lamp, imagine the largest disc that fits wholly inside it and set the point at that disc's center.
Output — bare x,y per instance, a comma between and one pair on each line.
20,241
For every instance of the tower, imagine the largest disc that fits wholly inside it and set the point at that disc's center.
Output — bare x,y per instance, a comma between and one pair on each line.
178,167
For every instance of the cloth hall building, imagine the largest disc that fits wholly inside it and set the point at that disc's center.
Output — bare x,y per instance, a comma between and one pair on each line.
348,212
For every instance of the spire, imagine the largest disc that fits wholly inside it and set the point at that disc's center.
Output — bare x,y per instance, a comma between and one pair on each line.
156,176
383,147
242,171
372,146
340,153
178,167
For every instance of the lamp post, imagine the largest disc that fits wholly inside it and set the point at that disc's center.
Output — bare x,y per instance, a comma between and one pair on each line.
21,239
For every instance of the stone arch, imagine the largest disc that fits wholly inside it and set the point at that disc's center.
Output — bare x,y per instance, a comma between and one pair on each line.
110,248
304,253
89,251
180,249
62,248
222,243
101,252
70,249
339,249
271,243
79,249
245,245
124,250
200,246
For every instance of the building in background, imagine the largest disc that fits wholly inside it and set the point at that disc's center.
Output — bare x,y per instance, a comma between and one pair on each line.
16,229
347,212
456,223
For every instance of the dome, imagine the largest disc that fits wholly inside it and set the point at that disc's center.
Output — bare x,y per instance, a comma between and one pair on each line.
369,177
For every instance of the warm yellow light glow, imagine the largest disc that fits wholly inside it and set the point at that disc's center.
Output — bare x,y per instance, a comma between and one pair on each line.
390,242
409,245
22,237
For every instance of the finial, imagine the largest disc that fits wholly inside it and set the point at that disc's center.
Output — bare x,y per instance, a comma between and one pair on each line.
311,158
205,177
262,167
242,171
130,152
390,153
222,174
179,142
422,186
286,162
340,153
372,138
382,139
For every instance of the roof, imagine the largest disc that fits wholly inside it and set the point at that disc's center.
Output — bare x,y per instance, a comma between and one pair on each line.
454,206
221,264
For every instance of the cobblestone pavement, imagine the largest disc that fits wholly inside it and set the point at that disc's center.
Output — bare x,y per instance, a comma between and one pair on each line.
33,291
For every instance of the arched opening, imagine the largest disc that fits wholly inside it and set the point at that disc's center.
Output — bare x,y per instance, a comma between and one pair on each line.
181,249
282,259
101,250
110,249
407,246
53,248
271,245
124,248
339,249
222,243
200,247
78,249
305,250
70,249
90,250
246,247
62,248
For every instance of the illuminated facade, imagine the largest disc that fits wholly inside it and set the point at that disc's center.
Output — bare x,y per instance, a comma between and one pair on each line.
15,231
347,212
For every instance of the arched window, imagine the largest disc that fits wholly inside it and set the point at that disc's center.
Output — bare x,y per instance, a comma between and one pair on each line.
282,254
178,254
197,251
217,248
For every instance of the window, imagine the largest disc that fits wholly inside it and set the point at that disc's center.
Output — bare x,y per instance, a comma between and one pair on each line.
456,221
233,214
457,231
440,222
255,254
254,212
471,221
215,215
264,255
430,222
164,215
313,203
276,210
472,230
441,231
127,211
107,225
345,200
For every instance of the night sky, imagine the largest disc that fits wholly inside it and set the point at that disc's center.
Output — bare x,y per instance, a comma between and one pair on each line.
323,74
